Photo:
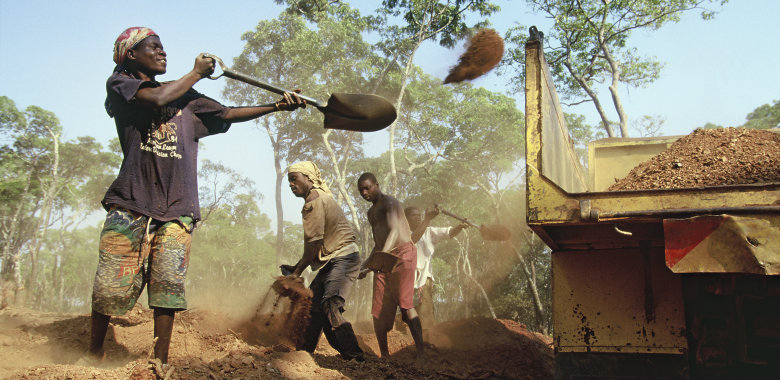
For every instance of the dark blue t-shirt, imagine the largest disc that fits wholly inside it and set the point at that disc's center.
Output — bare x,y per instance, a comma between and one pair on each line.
159,172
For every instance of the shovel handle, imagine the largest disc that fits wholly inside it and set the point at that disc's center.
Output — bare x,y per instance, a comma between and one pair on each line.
462,219
256,82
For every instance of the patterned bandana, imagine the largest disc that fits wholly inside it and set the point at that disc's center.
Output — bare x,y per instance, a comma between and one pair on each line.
311,171
128,39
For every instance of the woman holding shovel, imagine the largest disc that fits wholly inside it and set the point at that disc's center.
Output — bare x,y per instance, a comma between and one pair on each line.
153,203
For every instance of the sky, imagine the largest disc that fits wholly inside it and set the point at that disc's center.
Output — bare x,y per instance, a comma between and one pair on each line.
58,54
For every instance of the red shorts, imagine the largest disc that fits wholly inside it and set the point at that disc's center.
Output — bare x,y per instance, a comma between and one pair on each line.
395,289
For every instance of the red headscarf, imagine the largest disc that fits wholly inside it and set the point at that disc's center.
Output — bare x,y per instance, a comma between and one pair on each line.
129,38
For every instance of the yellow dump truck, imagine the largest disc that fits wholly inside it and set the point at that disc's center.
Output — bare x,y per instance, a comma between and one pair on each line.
671,284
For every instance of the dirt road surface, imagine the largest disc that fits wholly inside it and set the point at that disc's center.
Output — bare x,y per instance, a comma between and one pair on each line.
210,345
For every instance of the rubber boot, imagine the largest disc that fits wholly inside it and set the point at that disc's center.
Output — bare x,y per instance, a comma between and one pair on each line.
312,334
349,347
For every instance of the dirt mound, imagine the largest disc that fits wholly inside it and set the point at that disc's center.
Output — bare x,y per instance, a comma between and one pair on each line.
483,53
710,157
211,345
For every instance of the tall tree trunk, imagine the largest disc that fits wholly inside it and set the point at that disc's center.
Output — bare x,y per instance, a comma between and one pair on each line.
531,281
467,271
11,271
341,180
51,191
593,97
391,148
613,90
277,195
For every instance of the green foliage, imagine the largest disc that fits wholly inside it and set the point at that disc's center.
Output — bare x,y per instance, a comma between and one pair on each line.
458,145
589,46
287,52
230,257
582,134
712,126
68,261
648,126
764,117
444,22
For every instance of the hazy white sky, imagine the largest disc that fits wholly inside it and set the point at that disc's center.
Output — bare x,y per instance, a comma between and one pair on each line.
57,55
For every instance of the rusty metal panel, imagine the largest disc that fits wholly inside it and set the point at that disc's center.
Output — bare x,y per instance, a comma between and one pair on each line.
553,205
723,244
617,301
546,133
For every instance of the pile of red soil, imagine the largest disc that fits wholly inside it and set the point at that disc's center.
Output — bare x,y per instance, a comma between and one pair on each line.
210,345
710,157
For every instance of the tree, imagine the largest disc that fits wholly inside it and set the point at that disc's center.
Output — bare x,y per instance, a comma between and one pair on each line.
442,22
273,53
45,182
764,117
231,257
581,134
30,179
590,46
329,59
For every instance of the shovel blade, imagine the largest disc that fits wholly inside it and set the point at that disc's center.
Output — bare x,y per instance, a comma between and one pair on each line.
358,112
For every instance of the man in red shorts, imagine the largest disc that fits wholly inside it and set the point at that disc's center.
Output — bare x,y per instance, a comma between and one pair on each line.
391,290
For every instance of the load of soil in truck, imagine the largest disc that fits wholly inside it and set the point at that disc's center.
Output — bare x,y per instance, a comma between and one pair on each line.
710,157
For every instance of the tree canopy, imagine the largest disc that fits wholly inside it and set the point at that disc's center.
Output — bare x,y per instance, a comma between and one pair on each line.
589,45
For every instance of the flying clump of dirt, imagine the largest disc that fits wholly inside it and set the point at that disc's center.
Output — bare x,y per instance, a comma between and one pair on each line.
710,157
483,53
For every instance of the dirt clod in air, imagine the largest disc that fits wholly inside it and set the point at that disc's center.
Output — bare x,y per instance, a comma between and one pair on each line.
710,157
483,53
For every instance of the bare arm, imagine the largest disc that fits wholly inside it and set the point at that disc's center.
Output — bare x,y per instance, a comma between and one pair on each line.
290,101
454,231
310,250
430,213
204,66
168,92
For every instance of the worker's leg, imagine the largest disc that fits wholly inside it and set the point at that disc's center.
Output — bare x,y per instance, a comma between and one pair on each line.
313,331
169,259
341,273
341,330
405,291
163,328
380,308
415,327
119,279
424,305
98,333
380,330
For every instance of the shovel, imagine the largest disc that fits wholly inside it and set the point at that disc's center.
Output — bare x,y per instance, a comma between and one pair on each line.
351,112
492,232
